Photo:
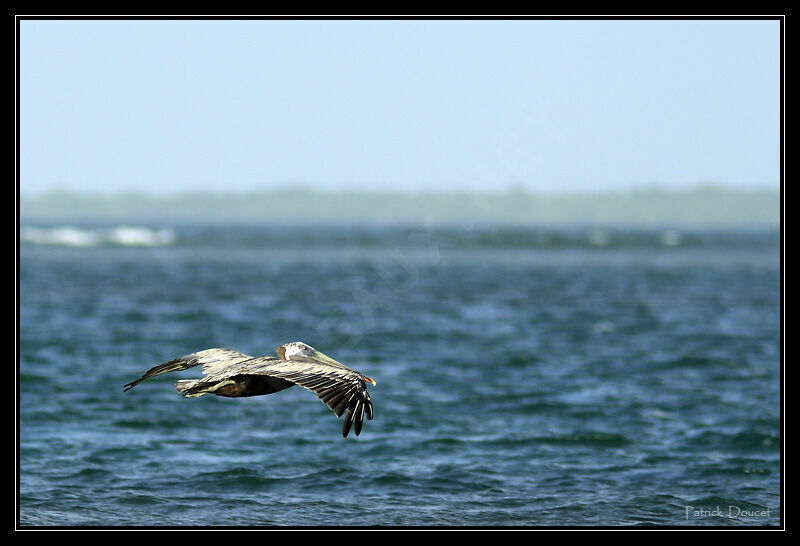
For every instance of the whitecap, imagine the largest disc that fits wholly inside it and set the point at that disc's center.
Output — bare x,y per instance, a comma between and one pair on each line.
140,236
77,237
670,237
598,237
64,236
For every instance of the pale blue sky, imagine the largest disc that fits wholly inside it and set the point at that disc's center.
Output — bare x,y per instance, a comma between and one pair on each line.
169,106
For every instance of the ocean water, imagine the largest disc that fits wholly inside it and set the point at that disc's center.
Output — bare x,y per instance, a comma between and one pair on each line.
526,376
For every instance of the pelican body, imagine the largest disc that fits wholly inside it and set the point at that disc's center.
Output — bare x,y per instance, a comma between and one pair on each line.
234,374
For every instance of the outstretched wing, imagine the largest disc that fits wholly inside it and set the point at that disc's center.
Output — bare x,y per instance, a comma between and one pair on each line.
211,359
341,388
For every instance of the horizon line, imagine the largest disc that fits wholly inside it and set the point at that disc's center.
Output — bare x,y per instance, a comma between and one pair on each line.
408,192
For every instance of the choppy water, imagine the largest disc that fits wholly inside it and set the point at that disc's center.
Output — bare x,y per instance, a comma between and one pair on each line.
525,376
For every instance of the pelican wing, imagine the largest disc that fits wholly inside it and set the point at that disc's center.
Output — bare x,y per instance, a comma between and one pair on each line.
213,360
340,388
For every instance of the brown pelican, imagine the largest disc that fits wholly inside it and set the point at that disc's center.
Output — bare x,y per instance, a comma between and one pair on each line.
231,373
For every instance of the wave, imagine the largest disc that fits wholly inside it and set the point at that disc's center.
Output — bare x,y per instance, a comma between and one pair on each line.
432,241
84,237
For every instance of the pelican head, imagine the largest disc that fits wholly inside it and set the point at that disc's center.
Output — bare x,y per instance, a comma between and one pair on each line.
297,350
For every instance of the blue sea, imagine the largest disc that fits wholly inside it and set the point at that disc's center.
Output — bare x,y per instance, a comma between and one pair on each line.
526,376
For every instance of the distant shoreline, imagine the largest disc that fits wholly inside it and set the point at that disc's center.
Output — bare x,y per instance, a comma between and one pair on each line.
698,206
